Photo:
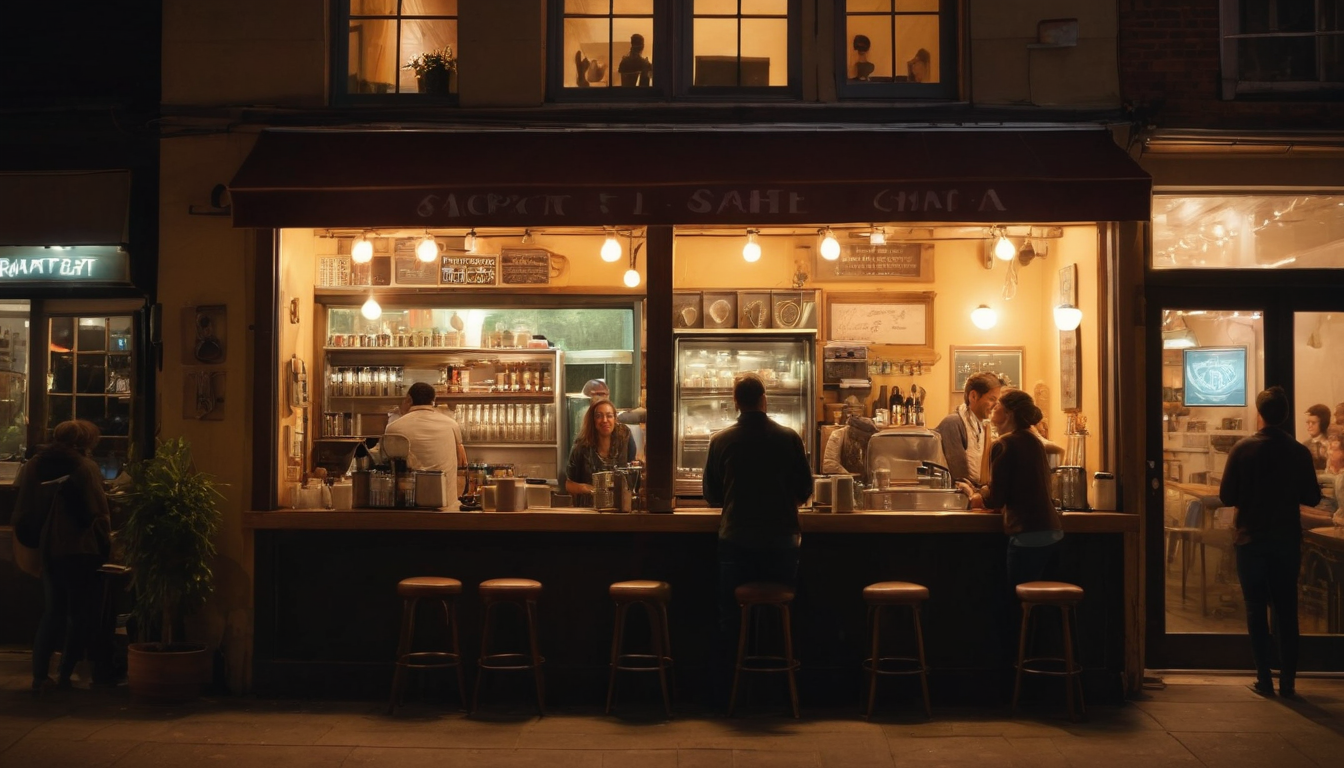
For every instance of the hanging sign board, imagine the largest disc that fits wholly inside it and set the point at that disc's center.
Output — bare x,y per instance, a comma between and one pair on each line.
77,264
471,269
524,266
896,262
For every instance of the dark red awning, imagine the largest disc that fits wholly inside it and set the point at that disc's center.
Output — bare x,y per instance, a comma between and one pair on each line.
412,178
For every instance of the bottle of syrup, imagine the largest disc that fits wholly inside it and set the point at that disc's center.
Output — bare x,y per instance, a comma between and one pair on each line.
897,407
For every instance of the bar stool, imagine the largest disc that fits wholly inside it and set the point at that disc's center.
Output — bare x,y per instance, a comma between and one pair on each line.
758,594
895,594
411,591
654,596
523,593
1066,598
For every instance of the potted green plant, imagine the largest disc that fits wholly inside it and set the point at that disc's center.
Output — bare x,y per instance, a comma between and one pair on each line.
433,70
173,515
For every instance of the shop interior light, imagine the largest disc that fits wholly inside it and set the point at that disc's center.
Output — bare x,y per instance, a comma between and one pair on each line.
1067,317
984,317
371,309
427,249
751,250
877,237
1004,249
632,274
611,248
469,241
830,247
361,251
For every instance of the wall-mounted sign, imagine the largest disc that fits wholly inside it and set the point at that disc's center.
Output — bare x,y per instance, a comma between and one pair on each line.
524,266
407,268
896,262
84,264
479,269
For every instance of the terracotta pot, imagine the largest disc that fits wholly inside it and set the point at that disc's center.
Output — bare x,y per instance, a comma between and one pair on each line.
160,675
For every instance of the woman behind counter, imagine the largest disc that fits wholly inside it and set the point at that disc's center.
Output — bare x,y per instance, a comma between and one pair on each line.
603,445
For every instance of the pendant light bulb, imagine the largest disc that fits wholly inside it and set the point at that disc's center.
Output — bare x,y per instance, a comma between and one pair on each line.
984,318
751,250
830,247
611,249
1004,248
371,309
361,251
878,237
1068,317
427,249
469,241
632,278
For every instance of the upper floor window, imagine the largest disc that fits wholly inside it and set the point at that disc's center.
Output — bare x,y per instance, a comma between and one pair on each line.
609,44
739,44
1282,46
893,48
401,47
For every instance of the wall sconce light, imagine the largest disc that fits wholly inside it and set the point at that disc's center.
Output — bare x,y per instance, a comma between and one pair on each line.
1067,317
632,274
427,249
984,318
830,247
361,251
877,237
751,250
469,241
1004,249
371,309
611,248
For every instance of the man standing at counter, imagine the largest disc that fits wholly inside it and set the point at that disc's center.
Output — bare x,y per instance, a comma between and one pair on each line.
963,430
435,438
757,472
1268,475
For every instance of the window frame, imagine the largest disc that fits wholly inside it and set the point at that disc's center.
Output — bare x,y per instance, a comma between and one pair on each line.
558,68
949,61
792,90
340,62
1233,87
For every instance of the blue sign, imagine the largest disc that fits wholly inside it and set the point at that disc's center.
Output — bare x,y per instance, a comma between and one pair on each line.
1215,376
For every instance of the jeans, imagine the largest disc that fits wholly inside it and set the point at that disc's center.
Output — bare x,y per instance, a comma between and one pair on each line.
1268,571
71,589
740,565
1024,564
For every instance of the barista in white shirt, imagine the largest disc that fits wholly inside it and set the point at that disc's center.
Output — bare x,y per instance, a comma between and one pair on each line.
963,430
435,437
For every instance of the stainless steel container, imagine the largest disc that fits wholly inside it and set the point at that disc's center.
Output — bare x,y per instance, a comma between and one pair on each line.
431,489
604,491
1069,487
890,446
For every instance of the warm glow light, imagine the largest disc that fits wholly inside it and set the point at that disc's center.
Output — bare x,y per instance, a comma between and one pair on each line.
427,249
878,237
1004,248
469,242
1067,317
751,250
984,317
632,278
371,309
361,251
611,249
830,247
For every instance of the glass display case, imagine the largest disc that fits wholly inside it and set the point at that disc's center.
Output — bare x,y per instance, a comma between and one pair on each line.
707,362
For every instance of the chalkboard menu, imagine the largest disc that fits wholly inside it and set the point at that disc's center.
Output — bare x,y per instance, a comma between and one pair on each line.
524,266
478,269
408,269
910,262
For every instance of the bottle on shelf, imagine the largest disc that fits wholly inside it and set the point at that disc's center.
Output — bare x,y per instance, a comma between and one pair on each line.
880,401
910,405
897,407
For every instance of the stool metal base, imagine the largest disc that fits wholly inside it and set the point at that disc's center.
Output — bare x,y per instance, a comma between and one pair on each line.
532,660
406,659
896,665
768,664
659,661
1067,666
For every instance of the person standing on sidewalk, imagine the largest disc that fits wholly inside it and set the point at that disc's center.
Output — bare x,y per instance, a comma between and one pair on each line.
1268,477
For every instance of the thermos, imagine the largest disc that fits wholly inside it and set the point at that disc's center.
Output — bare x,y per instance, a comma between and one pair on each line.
1103,491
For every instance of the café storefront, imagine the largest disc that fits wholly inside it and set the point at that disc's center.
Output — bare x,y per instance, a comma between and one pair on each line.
681,203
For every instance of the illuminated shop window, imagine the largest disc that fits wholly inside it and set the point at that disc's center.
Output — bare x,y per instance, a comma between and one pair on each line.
608,44
740,43
89,377
401,47
894,48
1295,231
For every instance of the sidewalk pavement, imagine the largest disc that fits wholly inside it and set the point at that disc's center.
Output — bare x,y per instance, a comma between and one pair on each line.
1195,720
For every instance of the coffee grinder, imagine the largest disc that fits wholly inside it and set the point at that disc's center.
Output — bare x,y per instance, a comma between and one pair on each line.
396,448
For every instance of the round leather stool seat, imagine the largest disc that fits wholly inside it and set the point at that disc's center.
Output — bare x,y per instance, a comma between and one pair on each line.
763,592
895,593
511,589
640,589
1049,592
428,586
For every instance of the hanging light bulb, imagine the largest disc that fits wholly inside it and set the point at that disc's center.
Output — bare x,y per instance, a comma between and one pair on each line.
877,237
361,251
830,247
632,278
469,241
611,248
1004,248
427,249
1067,317
371,309
984,318
751,250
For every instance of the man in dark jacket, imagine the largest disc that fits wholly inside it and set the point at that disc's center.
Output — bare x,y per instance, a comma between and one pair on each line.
1268,475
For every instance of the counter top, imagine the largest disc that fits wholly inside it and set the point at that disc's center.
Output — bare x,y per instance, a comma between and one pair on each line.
575,520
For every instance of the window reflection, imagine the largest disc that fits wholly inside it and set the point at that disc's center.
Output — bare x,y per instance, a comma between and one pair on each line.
608,43
892,42
1248,231
740,43
382,39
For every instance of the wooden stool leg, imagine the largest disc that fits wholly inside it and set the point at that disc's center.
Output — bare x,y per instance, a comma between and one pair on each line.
480,661
667,648
788,657
874,618
403,648
658,633
536,655
615,653
741,654
1021,652
1068,662
923,668
450,606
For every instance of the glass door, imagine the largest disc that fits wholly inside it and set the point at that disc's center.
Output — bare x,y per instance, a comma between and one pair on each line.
89,377
1318,423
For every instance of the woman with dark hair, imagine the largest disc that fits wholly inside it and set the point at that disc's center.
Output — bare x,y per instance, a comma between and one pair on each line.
64,484
603,445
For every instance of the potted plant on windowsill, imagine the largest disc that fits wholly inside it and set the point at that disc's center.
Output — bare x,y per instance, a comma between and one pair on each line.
434,70
173,516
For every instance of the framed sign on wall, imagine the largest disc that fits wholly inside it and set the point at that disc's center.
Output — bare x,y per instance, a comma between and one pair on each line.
894,319
1004,362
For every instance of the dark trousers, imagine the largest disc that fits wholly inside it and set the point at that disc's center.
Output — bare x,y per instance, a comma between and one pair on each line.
1268,572
72,591
1024,564
740,565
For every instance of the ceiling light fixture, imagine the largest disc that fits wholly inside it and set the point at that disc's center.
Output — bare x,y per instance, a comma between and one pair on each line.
611,248
371,309
984,318
427,249
830,247
1068,317
1004,249
751,250
877,237
361,250
469,241
632,274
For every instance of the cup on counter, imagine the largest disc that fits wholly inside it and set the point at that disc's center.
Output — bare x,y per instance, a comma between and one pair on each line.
882,477
342,496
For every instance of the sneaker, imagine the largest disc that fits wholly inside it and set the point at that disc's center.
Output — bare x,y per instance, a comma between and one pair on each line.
1262,689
